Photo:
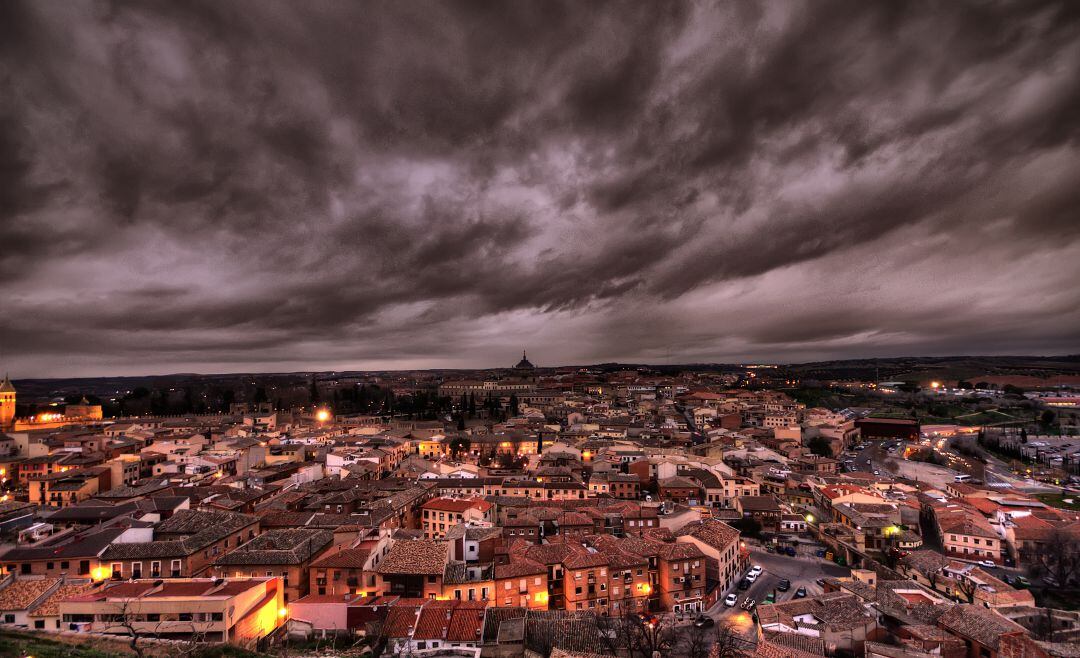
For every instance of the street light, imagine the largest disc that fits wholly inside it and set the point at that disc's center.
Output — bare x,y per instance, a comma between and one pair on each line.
809,518
322,415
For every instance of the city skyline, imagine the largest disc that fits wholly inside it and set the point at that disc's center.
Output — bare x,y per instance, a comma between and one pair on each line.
263,187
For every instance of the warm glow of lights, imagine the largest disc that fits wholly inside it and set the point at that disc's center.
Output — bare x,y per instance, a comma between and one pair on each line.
541,598
935,384
101,573
505,444
587,454
282,612
809,518
322,415
644,587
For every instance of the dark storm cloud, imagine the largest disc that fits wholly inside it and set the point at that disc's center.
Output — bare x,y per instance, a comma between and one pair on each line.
439,183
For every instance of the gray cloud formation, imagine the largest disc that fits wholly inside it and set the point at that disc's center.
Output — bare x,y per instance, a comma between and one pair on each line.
271,185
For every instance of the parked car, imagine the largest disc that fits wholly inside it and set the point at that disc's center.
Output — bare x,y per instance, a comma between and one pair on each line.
756,570
784,585
704,621
770,597
751,577
1020,581
989,564
744,584
731,599
790,550
820,582
648,619
820,552
800,593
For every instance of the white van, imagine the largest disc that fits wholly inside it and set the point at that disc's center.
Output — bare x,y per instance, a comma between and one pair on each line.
963,477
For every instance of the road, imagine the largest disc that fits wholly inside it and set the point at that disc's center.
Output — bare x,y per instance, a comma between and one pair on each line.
801,571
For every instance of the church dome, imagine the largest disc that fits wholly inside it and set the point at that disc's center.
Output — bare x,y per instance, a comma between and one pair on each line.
524,363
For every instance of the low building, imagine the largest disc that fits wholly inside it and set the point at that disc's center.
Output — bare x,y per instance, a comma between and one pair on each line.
720,544
439,515
413,569
238,612
281,552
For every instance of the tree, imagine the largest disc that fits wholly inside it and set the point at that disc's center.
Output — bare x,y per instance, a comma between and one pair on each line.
1057,555
693,642
1048,418
819,445
459,445
748,526
513,404
933,575
891,466
649,638
967,587
126,616
313,392
727,643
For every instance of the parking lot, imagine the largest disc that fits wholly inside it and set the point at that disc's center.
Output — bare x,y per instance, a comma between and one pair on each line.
801,571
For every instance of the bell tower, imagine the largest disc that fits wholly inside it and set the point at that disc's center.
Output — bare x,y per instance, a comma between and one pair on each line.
7,403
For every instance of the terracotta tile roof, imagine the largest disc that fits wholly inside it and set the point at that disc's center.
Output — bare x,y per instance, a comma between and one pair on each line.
789,645
50,607
280,546
415,556
434,620
346,558
400,620
457,504
519,568
978,623
715,533
21,593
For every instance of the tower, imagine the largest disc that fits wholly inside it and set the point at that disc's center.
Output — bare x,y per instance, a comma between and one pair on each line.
7,403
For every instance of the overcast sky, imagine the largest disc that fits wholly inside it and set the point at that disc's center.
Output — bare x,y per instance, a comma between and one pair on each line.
235,186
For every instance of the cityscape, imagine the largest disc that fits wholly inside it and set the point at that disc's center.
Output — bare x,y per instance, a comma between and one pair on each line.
569,511
540,328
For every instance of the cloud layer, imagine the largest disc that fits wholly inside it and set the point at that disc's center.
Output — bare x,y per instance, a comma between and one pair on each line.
271,185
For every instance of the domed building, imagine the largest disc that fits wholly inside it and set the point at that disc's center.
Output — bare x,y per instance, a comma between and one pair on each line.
524,363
